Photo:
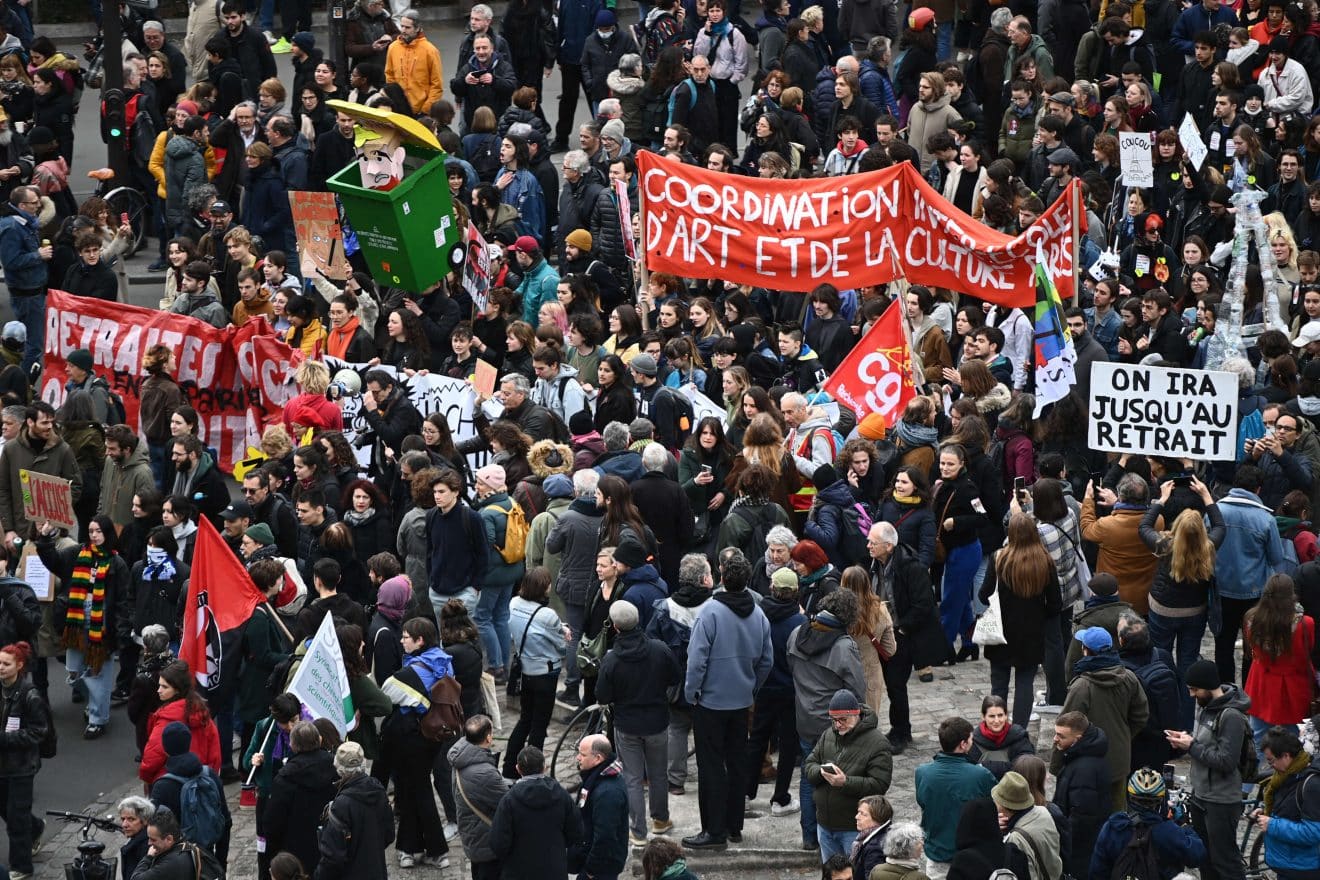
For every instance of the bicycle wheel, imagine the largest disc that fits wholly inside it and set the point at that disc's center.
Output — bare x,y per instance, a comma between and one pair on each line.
1256,867
563,764
123,200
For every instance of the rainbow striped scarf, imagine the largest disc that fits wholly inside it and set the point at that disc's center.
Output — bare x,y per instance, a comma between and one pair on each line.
81,632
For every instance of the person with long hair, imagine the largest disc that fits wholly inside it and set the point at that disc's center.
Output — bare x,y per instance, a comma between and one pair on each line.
908,507
421,838
340,458
1028,602
180,701
873,630
1251,158
959,513
26,719
615,401
462,642
754,508
520,342
367,515
160,396
440,445
622,519
408,347
734,382
1280,638
763,445
540,641
996,741
703,471
625,326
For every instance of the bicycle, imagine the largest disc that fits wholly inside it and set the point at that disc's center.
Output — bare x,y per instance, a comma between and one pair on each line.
1253,858
89,865
123,200
563,763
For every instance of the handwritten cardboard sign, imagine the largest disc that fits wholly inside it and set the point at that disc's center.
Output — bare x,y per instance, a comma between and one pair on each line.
47,498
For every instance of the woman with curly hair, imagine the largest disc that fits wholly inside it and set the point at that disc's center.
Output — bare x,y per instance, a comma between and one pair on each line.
366,512
339,457
754,506
408,348
509,448
763,444
979,385
1280,638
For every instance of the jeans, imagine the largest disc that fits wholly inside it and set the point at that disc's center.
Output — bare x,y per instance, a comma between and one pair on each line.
1058,633
1225,642
468,596
536,706
806,794
721,738
835,842
956,596
1187,632
943,40
680,726
16,810
576,618
98,686
30,311
160,456
773,714
1023,687
492,620
1216,824
267,15
644,757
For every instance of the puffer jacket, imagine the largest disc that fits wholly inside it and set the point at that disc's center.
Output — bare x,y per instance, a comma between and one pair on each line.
998,759
628,89
600,59
1110,696
480,786
185,170
864,755
824,658
1290,838
205,738
498,572
1082,793
25,711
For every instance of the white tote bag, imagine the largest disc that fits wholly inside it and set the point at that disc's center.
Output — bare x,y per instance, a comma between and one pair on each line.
990,627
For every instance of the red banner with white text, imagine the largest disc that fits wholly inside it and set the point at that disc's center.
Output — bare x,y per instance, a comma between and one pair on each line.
876,376
851,231
237,379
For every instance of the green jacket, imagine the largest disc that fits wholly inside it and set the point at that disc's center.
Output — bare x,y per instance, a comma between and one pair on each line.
863,754
269,767
943,786
264,647
1110,697
371,703
120,482
538,530
1103,614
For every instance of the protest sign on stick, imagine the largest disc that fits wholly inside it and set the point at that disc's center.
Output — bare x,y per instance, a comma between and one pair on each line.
876,376
1135,158
47,498
1165,411
320,238
321,682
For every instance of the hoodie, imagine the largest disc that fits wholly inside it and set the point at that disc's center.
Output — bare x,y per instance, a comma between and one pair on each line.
729,654
360,827
1216,745
534,826
635,676
643,587
785,617
185,170
823,658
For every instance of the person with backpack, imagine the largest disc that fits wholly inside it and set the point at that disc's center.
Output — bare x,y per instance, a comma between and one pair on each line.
359,825
1223,757
506,543
752,515
1291,813
1143,842
413,690
194,793
669,410
301,789
29,736
1154,668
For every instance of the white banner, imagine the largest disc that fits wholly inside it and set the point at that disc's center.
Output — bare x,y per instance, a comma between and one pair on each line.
321,683
1136,159
1190,138
1175,412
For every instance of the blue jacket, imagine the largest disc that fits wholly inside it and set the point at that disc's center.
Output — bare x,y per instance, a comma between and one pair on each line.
826,526
1251,551
498,572
784,617
878,89
1195,19
943,786
525,194
266,210
1176,846
19,241
543,650
603,800
429,666
730,653
577,19
538,287
643,587
1292,841
455,550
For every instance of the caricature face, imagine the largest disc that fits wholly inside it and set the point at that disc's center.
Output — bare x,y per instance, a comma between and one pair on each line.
380,158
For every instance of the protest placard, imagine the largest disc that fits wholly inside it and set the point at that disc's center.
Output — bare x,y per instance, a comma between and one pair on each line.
861,229
33,572
476,269
320,238
47,498
1166,411
1136,159
483,378
1190,138
321,682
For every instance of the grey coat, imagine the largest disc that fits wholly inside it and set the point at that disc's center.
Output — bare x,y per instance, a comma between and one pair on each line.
479,787
185,170
575,539
823,661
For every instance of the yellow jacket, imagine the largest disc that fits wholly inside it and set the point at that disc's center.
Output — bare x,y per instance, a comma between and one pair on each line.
312,341
417,69
157,163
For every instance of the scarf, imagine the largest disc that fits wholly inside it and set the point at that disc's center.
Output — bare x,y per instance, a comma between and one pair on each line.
84,620
353,518
907,500
677,869
718,30
915,436
997,739
1096,662
336,344
158,566
1299,763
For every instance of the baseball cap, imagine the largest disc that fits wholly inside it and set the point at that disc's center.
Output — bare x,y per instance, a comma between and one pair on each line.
237,510
524,245
220,207
1309,333
1095,638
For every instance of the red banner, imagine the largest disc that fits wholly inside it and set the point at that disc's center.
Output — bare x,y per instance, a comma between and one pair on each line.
237,379
876,376
861,229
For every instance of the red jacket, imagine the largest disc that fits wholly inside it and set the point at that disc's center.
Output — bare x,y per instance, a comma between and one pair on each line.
312,411
1280,687
205,739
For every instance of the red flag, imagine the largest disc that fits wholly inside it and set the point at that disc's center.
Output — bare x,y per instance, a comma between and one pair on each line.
221,598
876,376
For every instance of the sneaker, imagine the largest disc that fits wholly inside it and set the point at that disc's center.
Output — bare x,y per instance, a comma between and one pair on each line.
158,266
407,860
735,837
118,697
634,840
281,47
451,830
1035,716
434,861
787,809
1049,708
661,826
94,731
19,875
926,677
37,839
270,38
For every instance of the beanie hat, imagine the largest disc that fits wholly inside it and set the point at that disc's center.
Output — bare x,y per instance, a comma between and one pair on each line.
580,423
872,427
189,107
613,130
605,18
580,239
492,475
558,486
785,579
80,358
844,703
40,136
1203,675
349,758
304,40
624,616
630,553
1013,793
261,533
644,364
1279,44
824,477
176,738
1103,583
810,554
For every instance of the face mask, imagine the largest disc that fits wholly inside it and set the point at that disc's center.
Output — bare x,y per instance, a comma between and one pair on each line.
156,555
604,35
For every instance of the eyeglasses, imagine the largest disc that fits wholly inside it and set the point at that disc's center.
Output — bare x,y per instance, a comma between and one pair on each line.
251,491
1289,428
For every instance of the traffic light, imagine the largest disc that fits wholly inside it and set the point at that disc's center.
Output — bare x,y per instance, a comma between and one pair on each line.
113,107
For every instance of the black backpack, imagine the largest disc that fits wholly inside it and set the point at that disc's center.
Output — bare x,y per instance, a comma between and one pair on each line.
1156,679
1137,861
1248,762
757,520
115,413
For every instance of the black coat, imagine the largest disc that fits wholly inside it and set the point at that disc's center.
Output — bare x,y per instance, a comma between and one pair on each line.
999,759
1024,619
133,852
1082,793
20,613
333,154
304,785
118,593
20,748
358,828
533,828
159,601
250,49
98,282
665,506
635,676
980,845
468,665
916,620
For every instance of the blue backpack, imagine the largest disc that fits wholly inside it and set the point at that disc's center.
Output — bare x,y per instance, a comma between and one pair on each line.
201,800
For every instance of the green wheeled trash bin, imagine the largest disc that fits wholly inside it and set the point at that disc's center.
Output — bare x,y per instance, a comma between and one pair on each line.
408,232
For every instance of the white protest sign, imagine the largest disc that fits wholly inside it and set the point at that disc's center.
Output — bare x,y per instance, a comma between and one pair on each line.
1134,157
321,683
703,406
1190,138
1175,412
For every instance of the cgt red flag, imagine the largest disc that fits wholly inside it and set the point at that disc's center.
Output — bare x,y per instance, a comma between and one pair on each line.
876,377
221,598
